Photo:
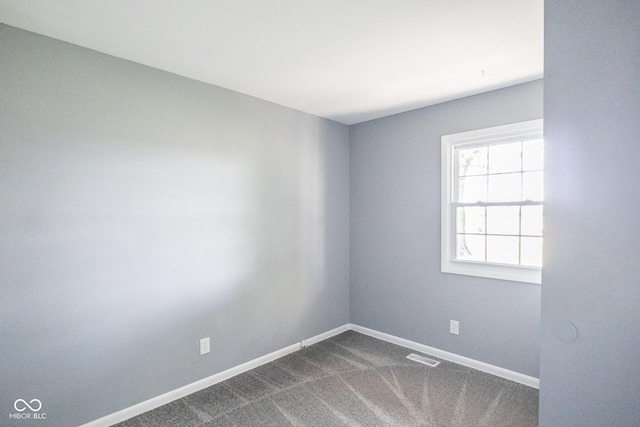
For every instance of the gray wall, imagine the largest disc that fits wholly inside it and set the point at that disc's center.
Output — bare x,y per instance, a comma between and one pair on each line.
141,211
396,283
592,261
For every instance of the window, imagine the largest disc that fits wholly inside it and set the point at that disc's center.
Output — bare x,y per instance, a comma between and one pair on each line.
492,196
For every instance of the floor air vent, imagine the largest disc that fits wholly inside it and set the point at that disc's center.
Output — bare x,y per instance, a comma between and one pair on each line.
423,360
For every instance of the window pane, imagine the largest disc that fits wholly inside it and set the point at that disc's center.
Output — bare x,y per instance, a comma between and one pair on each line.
531,221
470,247
505,188
471,220
505,158
472,189
532,186
472,161
532,251
502,249
533,155
503,220
492,198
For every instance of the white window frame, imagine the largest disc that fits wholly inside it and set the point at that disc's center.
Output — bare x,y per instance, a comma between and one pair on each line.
449,264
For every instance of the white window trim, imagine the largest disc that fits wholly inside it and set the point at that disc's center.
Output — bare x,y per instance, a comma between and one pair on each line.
529,130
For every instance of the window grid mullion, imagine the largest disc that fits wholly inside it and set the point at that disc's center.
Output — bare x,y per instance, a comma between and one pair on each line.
486,245
489,204
486,197
520,208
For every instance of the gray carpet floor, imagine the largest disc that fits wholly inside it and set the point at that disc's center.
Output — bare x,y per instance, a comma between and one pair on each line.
352,380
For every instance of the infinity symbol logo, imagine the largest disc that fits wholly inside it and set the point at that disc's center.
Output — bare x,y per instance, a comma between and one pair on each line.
26,405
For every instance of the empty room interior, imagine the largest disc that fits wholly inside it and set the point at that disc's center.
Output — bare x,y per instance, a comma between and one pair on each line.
251,212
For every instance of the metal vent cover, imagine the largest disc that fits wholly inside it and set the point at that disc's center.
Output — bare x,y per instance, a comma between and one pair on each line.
423,360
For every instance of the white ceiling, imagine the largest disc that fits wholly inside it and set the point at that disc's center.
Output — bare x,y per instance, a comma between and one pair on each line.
346,60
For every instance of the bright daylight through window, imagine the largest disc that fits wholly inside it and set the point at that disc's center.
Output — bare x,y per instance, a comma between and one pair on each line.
492,202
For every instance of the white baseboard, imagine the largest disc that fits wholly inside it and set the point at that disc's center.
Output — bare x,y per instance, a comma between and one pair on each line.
326,335
452,357
181,392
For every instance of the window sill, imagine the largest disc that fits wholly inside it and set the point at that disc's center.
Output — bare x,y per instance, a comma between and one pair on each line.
494,271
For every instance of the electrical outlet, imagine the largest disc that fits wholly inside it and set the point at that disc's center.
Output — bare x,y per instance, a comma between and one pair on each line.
454,327
205,346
